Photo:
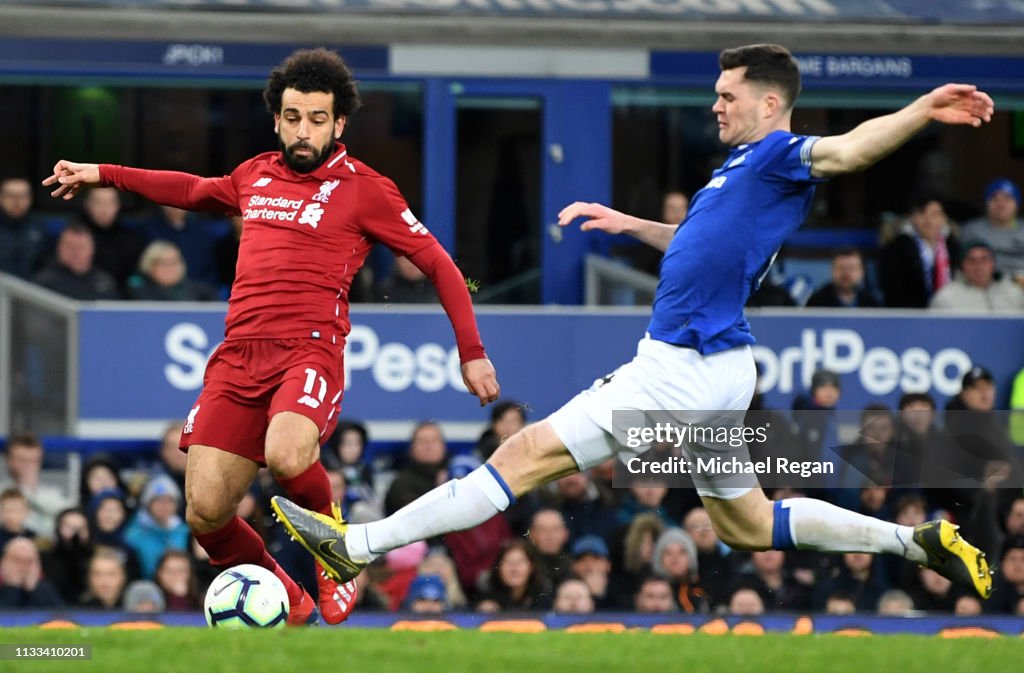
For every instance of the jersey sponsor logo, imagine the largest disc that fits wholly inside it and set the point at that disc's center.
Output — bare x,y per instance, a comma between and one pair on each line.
716,183
262,182
311,215
414,225
191,419
268,208
324,195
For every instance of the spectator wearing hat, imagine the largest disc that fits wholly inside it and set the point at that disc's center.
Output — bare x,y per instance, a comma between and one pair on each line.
847,289
1002,227
815,417
157,527
981,435
675,559
108,515
143,597
426,595
1008,592
591,563
979,286
919,262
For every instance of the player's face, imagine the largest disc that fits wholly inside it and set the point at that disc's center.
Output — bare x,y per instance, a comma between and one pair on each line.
742,109
306,128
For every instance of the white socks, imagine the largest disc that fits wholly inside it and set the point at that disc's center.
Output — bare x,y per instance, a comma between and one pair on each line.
806,523
456,505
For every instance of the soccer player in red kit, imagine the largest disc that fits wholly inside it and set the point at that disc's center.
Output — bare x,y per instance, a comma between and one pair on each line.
273,387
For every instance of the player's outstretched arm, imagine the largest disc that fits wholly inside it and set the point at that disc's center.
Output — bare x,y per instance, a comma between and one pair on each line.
876,138
603,218
70,177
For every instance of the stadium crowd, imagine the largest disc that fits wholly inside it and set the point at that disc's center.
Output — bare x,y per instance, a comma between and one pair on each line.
578,545
925,260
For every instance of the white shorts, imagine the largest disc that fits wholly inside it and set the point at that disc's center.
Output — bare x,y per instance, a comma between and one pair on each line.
661,377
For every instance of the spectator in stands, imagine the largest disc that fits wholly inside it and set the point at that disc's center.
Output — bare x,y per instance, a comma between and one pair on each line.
858,576
106,581
746,602
427,595
226,255
195,238
177,581
872,456
507,418
172,458
100,473
349,442
66,564
646,497
586,508
675,559
406,285
895,603
24,468
674,206
73,273
22,575
847,289
108,513
517,581
572,597
917,439
767,574
1009,586
590,563
713,558
1002,227
981,435
840,603
637,550
815,417
438,563
117,247
157,527
22,236
162,277
654,595
13,515
475,550
979,287
424,469
549,536
919,262
144,597
967,606
932,592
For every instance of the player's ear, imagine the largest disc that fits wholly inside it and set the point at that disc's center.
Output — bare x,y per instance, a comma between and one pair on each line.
339,126
277,123
772,104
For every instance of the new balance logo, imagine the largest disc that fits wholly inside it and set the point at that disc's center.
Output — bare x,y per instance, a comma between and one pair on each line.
311,215
717,183
325,191
310,401
740,159
191,419
262,182
415,226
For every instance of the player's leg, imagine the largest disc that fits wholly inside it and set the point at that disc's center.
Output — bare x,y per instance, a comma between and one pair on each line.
531,457
215,483
749,521
293,455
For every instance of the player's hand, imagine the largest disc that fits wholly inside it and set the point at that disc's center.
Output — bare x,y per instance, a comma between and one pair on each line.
598,217
960,104
481,379
71,177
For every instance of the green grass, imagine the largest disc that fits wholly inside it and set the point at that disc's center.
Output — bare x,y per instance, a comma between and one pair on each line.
342,650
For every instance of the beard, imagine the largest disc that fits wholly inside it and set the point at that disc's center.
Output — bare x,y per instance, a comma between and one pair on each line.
304,164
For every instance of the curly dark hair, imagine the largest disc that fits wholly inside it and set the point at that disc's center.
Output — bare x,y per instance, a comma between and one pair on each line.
309,70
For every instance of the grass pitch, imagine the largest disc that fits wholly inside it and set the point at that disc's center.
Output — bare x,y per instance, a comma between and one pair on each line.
345,650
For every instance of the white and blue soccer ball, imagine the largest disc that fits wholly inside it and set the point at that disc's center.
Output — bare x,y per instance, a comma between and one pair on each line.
246,596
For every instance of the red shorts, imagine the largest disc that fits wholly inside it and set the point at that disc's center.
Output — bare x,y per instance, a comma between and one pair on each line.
247,381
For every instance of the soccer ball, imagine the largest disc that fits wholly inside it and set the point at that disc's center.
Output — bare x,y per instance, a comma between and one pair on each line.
246,596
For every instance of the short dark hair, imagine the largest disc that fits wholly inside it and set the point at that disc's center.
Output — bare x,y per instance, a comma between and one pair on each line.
920,200
309,70
770,64
911,398
504,406
26,440
848,251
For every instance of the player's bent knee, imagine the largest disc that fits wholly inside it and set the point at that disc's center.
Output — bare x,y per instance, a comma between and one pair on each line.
289,462
206,517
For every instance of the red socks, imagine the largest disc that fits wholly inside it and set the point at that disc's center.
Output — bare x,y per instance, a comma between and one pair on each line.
235,543
311,489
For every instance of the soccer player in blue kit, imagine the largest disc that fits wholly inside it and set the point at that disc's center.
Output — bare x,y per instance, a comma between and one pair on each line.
696,354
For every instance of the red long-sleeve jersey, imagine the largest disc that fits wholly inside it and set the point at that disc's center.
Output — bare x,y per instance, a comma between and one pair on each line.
305,237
